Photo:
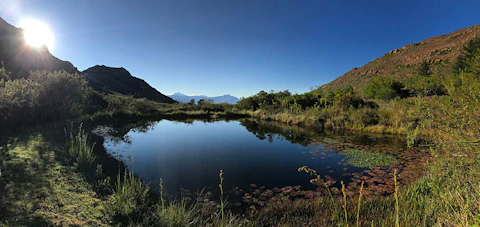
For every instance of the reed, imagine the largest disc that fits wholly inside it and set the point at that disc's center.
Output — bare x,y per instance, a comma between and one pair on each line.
222,203
359,203
78,149
344,206
397,210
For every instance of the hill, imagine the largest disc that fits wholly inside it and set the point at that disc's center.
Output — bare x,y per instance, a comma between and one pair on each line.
217,99
119,80
19,58
402,63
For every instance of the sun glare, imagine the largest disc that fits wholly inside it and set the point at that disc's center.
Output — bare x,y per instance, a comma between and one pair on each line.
37,33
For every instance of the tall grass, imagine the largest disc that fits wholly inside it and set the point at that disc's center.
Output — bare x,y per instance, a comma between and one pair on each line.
78,149
176,213
397,210
380,211
129,199
222,203
359,203
344,205
181,213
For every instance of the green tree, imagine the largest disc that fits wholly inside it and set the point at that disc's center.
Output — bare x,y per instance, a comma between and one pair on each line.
469,60
384,88
425,68
204,102
248,103
425,85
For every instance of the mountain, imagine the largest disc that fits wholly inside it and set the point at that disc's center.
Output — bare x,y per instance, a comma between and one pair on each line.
225,98
217,99
119,80
402,63
19,58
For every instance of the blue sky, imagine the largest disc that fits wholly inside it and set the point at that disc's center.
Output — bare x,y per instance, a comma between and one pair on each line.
217,47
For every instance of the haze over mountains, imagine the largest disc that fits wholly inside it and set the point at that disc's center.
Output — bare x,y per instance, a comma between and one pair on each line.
179,97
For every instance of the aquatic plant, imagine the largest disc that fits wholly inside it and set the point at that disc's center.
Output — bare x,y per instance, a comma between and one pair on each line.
368,159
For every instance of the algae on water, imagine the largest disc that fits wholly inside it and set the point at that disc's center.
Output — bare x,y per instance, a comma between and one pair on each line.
367,159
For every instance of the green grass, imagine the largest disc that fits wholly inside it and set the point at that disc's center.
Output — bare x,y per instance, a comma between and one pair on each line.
178,213
128,202
41,189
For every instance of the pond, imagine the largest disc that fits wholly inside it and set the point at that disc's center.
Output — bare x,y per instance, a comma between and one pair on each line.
261,159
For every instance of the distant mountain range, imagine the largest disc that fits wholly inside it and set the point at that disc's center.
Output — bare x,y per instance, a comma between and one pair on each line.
179,97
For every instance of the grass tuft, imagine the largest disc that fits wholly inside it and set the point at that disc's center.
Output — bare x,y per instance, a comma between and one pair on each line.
129,199
78,149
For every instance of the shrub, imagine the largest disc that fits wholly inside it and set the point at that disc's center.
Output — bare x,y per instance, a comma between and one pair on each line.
123,104
384,88
41,97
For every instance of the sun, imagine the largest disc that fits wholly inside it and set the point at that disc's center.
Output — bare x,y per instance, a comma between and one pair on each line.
37,33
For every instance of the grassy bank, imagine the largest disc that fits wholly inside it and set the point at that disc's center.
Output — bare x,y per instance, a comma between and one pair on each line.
312,119
41,188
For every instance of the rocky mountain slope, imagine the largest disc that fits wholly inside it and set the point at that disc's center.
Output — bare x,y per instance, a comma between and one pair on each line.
119,80
19,58
403,62
217,99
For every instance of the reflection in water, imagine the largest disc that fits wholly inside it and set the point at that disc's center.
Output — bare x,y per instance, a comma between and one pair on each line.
260,159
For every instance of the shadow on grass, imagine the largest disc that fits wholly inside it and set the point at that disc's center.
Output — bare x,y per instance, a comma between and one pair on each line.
40,186
23,181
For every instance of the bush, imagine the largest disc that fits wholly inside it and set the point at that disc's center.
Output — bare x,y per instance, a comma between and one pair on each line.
384,88
61,93
123,104
41,97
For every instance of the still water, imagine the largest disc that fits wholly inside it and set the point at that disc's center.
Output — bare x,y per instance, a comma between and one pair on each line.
251,154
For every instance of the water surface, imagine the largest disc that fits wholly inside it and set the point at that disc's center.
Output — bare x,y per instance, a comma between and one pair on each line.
251,154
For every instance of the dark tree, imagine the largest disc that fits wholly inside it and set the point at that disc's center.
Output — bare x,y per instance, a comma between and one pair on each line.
425,68
469,59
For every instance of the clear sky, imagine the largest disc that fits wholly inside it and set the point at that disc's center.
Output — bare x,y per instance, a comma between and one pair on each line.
240,47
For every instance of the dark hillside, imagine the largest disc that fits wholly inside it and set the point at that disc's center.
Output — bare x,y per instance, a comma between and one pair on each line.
19,58
119,80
